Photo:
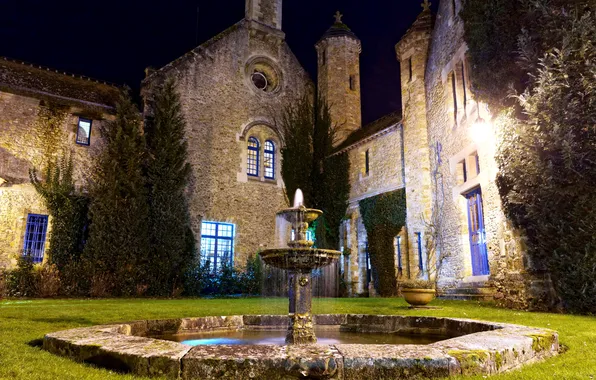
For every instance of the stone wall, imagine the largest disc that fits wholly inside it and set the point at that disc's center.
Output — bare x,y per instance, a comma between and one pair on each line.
223,109
412,53
385,175
25,143
452,116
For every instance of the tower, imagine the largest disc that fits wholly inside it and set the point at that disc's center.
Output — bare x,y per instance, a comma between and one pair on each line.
264,12
412,53
338,54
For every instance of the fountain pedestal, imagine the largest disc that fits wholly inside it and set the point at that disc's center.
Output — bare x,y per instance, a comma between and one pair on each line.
300,327
299,259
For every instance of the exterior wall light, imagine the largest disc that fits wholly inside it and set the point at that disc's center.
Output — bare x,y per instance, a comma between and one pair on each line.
481,129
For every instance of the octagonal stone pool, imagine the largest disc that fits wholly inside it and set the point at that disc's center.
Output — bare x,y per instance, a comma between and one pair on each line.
372,347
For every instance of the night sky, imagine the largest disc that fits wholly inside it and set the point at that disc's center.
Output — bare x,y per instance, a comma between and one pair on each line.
114,40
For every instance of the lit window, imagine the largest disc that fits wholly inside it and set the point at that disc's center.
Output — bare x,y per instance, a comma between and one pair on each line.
252,162
217,244
84,131
35,237
269,159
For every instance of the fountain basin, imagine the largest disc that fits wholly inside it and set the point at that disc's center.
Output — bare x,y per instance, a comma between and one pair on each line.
472,348
299,258
300,214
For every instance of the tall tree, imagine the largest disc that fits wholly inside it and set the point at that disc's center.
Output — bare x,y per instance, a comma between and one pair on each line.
117,249
308,163
167,173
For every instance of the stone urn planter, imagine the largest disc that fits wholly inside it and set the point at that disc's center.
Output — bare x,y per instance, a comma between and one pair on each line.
418,297
418,292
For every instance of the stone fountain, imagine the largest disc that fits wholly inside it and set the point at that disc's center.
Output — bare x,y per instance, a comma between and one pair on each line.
436,347
299,259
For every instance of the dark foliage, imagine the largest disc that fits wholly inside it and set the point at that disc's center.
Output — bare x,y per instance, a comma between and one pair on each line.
308,164
117,249
506,40
547,160
297,129
21,281
68,210
167,172
200,280
383,217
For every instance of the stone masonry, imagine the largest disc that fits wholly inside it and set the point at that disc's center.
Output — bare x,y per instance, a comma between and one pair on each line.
223,108
26,143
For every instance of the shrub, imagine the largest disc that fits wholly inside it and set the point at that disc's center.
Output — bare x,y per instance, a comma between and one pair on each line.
47,278
21,281
252,277
3,290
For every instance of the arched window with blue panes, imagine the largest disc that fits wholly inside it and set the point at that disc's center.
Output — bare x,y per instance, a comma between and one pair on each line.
252,161
269,159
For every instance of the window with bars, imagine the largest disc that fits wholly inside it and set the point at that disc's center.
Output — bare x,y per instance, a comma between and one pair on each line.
269,159
84,131
252,162
217,244
35,237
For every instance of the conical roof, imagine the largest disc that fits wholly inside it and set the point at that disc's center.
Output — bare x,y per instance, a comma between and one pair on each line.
339,29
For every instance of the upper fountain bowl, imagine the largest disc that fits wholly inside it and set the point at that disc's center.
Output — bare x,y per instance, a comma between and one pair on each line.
300,214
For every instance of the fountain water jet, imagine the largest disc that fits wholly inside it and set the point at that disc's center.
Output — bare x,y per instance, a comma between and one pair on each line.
299,259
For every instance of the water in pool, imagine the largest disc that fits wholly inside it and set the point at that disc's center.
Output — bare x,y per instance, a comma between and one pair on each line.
277,337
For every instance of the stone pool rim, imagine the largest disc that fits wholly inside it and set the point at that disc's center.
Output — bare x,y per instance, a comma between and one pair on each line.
486,348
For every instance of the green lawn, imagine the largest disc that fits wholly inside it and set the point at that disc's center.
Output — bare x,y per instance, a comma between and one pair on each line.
23,322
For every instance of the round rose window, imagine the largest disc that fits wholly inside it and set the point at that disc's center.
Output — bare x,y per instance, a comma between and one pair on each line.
259,80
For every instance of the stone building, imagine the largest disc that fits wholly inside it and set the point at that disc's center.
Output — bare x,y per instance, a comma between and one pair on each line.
233,87
42,113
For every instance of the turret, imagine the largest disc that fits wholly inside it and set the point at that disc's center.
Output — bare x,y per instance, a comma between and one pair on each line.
338,54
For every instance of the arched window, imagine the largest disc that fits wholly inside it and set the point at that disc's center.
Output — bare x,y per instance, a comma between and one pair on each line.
269,159
252,162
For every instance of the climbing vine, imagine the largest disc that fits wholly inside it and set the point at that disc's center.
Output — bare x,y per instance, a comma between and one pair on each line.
384,216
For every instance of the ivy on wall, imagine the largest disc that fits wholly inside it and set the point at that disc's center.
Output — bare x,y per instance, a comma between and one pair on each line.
384,216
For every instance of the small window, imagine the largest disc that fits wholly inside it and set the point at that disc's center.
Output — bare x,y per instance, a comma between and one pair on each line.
410,72
324,57
35,237
464,84
353,82
462,172
398,252
419,243
84,132
252,161
217,244
454,96
367,162
269,159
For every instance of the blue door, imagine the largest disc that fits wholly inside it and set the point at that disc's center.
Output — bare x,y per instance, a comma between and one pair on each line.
477,233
